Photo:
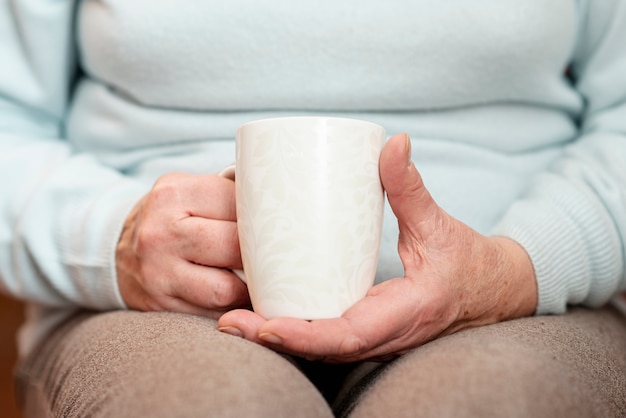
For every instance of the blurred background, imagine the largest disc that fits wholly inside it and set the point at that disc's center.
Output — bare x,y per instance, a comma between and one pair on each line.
11,316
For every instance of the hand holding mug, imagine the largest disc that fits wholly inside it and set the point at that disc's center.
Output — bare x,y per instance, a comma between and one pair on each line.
178,246
455,278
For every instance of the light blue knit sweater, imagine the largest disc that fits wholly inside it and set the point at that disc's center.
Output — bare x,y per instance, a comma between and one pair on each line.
517,111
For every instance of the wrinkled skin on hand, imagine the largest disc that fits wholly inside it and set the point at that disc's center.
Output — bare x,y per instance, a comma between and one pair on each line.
455,278
178,246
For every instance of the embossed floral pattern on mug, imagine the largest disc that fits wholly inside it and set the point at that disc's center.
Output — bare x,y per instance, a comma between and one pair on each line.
309,209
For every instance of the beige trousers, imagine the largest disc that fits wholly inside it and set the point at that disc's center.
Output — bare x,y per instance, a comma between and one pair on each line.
131,364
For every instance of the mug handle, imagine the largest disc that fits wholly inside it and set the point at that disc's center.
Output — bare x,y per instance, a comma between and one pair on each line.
229,173
239,273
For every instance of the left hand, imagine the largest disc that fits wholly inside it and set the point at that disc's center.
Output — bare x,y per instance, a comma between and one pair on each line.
455,278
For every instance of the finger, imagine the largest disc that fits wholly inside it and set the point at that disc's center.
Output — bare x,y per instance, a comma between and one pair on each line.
206,196
408,197
242,323
246,324
208,287
215,198
208,242
160,302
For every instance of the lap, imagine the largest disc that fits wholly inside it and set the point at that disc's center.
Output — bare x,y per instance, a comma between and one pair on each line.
164,364
129,363
570,365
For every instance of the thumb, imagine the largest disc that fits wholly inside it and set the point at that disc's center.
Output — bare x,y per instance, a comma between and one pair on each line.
408,197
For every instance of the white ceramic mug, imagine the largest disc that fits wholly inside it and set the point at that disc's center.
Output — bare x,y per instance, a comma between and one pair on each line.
309,213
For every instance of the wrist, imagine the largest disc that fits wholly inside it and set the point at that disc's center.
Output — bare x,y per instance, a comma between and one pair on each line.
518,275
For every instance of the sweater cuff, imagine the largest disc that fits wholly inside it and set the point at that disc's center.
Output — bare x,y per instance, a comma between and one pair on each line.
90,252
568,246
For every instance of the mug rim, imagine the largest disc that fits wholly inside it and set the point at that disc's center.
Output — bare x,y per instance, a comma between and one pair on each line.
309,118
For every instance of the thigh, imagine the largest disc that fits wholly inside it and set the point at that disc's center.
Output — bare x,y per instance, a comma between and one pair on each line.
571,365
129,363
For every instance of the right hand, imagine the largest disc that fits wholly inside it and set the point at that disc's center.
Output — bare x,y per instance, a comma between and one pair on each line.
178,245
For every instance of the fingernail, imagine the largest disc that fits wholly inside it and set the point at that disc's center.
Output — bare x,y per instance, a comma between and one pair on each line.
407,149
271,338
232,331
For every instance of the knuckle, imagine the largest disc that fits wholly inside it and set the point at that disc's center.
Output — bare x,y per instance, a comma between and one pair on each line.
230,240
167,188
223,294
223,242
352,345
148,238
169,179
151,236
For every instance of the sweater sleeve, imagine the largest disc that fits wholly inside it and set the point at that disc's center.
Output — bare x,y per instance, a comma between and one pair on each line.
61,212
572,220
